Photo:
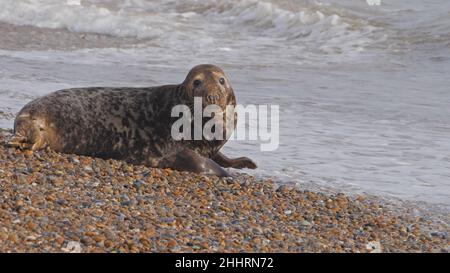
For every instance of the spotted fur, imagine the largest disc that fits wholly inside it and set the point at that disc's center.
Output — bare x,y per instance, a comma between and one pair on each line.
130,124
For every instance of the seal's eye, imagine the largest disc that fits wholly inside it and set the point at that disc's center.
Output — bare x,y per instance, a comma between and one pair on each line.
222,81
197,83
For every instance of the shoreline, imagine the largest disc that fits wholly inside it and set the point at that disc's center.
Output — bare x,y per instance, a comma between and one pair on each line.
52,202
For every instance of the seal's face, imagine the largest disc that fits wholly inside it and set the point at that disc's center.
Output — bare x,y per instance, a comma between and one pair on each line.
211,84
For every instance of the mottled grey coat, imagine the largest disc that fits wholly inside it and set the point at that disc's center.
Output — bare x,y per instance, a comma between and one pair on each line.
131,124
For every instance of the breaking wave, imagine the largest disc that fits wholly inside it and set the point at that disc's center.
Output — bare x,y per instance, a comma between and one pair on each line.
164,20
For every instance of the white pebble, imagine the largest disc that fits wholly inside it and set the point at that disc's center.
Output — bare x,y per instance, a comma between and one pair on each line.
374,247
72,247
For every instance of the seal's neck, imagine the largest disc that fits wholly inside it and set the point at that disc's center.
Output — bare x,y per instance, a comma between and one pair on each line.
181,95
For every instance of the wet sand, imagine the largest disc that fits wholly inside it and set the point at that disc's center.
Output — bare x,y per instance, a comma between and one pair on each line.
50,202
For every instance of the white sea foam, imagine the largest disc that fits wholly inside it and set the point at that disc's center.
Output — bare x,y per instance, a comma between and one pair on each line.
79,18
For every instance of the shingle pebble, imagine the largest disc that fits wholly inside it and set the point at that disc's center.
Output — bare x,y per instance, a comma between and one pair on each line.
50,202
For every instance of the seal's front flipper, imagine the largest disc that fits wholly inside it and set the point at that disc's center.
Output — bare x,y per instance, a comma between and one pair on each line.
29,133
19,142
188,160
238,163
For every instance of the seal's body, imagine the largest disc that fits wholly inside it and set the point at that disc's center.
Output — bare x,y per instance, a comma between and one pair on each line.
131,124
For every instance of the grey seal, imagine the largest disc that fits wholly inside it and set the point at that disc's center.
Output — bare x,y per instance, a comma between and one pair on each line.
130,124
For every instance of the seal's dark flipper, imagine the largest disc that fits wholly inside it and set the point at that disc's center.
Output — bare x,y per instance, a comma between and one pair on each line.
188,160
238,163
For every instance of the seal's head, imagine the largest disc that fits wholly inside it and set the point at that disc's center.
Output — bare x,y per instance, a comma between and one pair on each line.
211,84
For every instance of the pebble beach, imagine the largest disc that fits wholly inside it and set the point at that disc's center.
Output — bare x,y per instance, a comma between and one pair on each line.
51,202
